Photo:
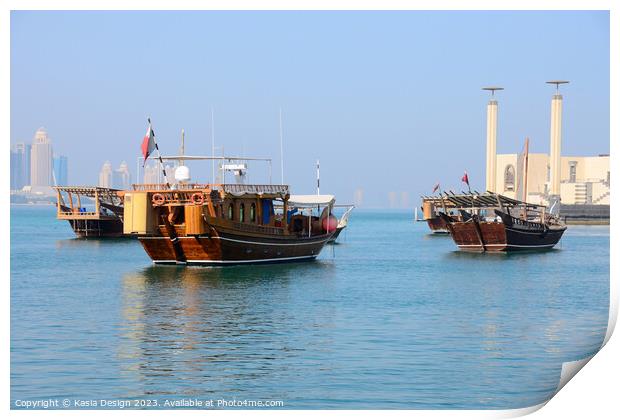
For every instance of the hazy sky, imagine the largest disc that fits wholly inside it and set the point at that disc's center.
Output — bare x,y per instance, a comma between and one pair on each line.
388,101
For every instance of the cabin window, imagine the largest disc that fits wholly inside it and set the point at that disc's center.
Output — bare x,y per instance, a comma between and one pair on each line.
253,213
572,171
509,178
230,212
242,212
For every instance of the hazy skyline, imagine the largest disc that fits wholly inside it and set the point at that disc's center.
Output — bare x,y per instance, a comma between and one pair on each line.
388,101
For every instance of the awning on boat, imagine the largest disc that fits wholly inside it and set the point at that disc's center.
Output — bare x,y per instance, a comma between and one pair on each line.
311,200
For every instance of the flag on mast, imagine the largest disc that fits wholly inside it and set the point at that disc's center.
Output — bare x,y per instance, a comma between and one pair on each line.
465,179
148,143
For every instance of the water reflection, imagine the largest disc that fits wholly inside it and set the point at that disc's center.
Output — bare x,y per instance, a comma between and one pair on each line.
206,330
438,235
93,243
498,256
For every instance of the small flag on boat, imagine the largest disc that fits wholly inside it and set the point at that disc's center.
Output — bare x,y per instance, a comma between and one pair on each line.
465,179
148,143
436,187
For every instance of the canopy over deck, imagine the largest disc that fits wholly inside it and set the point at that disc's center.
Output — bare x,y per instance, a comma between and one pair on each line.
483,200
72,207
311,200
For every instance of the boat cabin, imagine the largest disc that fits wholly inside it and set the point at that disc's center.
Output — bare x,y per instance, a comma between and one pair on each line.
191,208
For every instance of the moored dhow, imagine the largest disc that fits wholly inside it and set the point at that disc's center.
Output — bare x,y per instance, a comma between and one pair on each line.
224,224
494,223
92,212
432,207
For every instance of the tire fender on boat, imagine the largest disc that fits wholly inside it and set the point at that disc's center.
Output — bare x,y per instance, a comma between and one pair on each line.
198,198
158,199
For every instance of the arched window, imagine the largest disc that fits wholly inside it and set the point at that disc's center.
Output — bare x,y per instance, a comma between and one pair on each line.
231,214
222,211
253,213
242,212
509,178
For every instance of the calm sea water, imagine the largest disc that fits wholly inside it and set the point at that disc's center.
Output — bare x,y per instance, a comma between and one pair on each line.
390,318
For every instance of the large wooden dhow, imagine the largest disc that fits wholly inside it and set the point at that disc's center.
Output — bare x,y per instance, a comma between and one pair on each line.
225,224
494,223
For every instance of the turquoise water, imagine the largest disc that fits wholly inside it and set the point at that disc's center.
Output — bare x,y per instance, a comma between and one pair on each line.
390,318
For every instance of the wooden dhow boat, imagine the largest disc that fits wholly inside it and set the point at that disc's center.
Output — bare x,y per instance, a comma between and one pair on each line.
225,224
494,223
92,212
432,206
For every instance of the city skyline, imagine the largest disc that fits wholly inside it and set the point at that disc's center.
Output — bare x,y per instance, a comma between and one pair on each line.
392,101
35,165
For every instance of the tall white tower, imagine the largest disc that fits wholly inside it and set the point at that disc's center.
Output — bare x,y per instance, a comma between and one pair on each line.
105,175
556,141
492,139
41,159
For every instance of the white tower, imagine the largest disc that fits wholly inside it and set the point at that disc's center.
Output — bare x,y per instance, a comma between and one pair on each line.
492,139
556,141
105,175
41,159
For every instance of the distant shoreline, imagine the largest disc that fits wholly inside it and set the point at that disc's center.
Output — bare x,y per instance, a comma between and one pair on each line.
33,204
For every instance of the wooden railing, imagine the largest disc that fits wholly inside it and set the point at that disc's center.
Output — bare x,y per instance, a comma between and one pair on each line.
255,189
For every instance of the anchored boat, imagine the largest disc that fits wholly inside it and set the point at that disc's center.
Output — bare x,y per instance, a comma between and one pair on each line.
222,224
431,209
92,212
494,223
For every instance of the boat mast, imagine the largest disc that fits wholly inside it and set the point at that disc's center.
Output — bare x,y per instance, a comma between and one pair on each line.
281,152
181,161
527,147
213,147
318,178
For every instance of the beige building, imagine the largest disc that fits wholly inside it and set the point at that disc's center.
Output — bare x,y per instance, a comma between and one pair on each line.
583,179
550,177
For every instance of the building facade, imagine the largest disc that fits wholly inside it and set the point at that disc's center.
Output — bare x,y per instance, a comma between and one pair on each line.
121,178
583,179
20,166
61,173
550,178
41,164
105,175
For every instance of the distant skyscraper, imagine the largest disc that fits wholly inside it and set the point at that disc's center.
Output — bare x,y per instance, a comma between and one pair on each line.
20,166
105,175
170,174
392,199
404,199
151,174
359,197
121,178
41,160
60,170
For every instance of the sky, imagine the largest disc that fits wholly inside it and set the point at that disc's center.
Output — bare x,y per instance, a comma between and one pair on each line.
389,102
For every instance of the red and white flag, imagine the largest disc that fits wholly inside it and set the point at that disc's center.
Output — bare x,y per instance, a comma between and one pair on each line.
148,143
465,179
436,187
